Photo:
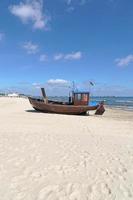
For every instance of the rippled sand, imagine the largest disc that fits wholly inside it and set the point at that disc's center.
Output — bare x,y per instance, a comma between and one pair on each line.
60,157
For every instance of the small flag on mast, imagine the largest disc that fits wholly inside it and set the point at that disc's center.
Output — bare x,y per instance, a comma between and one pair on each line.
91,83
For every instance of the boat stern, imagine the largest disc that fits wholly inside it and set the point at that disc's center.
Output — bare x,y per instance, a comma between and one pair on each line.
100,110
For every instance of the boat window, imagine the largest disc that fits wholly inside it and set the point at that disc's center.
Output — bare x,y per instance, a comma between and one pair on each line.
84,97
75,96
79,96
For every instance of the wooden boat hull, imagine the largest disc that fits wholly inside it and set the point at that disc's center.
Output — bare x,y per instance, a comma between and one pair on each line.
39,105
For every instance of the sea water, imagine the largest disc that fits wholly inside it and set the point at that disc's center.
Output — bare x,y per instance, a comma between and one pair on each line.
119,102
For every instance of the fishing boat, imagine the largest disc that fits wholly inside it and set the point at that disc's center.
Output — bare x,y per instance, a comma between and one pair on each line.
78,104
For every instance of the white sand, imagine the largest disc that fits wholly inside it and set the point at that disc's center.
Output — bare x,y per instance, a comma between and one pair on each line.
60,157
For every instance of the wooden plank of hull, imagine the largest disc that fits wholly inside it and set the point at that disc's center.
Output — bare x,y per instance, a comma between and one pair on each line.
61,109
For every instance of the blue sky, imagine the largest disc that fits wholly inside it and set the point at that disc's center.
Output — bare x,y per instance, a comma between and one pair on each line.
54,42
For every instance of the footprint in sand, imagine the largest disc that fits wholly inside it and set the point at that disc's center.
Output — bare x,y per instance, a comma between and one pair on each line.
49,193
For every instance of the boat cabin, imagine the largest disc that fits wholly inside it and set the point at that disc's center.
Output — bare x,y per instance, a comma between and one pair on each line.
80,98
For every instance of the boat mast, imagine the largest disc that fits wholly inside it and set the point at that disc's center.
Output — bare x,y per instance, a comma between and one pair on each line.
44,95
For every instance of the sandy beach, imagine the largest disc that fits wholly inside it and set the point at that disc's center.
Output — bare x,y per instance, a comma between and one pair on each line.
60,157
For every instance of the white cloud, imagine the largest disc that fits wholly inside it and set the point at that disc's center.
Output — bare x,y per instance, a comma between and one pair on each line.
30,47
2,35
71,56
70,9
43,57
59,82
58,56
124,61
79,2
69,2
72,4
57,87
37,85
31,11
